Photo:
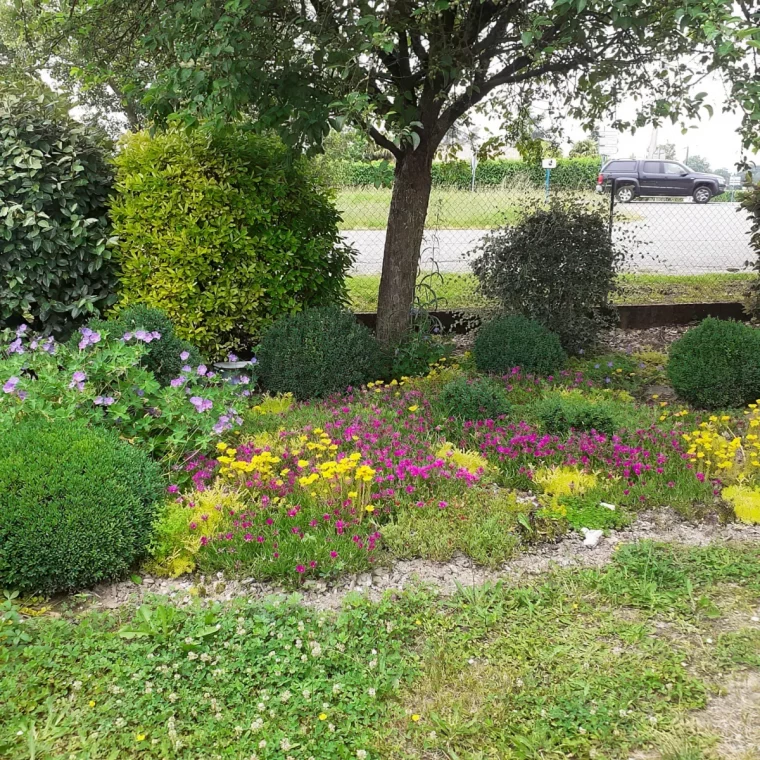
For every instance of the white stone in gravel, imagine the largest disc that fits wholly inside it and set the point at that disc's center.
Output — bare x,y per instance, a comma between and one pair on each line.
592,537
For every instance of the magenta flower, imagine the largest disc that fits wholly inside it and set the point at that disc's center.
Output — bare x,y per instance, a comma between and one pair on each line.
173,489
248,537
300,569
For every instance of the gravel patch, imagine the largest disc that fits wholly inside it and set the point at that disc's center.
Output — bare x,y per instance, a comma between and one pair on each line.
663,526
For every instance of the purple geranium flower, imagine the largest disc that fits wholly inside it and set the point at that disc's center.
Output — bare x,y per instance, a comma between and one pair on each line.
201,404
104,400
10,385
89,338
77,380
178,381
202,369
16,347
185,355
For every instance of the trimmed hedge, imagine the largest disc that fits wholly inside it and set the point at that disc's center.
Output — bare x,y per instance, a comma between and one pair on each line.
225,232
570,174
318,352
76,506
516,341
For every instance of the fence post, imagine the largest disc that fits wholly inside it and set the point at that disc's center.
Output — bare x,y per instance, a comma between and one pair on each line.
612,203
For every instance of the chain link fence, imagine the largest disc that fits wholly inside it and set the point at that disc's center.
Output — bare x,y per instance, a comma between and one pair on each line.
678,251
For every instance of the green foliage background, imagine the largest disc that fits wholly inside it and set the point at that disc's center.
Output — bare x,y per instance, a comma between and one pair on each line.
55,252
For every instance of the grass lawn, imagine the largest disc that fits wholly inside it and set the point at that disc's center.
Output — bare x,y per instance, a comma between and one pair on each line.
366,208
459,291
593,663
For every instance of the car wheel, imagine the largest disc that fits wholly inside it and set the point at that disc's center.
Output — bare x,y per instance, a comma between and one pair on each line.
702,195
625,194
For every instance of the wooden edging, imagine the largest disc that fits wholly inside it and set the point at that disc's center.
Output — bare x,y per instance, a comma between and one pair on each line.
632,317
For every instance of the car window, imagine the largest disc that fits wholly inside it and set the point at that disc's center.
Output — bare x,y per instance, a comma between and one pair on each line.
673,169
621,166
652,167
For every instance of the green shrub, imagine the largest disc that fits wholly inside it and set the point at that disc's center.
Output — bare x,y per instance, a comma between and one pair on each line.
76,506
556,265
560,413
751,204
55,253
225,233
318,352
165,356
515,341
478,399
716,364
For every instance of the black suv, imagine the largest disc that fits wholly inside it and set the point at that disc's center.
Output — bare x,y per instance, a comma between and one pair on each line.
654,177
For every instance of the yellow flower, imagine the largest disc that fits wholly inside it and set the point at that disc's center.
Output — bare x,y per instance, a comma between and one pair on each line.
415,717
418,622
413,408
369,508
302,463
140,737
352,494
92,703
322,716
221,446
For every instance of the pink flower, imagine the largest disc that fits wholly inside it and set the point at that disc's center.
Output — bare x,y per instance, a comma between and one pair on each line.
333,554
300,569
248,537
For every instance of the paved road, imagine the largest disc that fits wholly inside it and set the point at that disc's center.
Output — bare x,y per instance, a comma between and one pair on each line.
674,238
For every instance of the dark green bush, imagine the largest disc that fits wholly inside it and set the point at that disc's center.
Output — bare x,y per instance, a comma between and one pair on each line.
473,399
515,341
556,265
76,506
225,232
560,413
55,253
318,352
716,364
164,357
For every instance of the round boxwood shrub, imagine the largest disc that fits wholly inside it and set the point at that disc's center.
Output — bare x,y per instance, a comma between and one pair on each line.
55,247
76,506
515,341
477,399
225,232
165,357
716,364
318,352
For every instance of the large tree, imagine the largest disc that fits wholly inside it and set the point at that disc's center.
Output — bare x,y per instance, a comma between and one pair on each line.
406,71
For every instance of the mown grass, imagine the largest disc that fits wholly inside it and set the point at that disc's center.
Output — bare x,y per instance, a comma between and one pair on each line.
579,663
366,208
460,291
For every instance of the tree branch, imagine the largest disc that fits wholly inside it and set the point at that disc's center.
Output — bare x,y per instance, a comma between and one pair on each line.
384,142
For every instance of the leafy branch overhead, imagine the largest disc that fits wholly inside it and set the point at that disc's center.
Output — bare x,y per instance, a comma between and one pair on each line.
400,68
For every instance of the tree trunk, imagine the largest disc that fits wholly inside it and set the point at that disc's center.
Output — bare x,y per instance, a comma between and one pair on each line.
403,240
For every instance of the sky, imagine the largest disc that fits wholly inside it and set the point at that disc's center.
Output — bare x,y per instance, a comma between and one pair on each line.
714,138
